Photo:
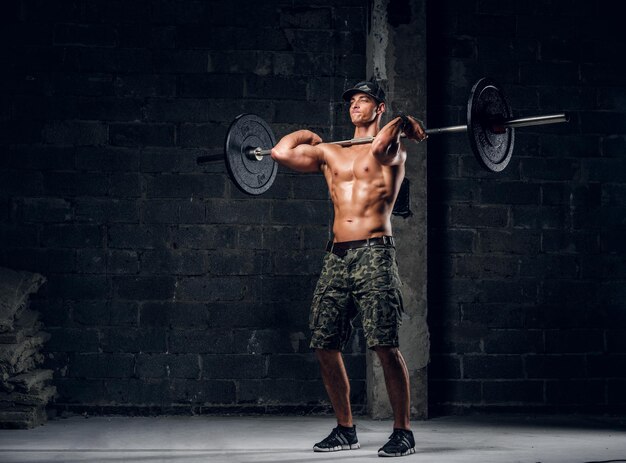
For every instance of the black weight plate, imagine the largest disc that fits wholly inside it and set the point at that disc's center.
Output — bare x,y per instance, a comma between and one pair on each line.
486,104
247,132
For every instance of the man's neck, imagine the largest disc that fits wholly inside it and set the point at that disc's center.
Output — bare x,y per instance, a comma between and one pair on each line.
369,130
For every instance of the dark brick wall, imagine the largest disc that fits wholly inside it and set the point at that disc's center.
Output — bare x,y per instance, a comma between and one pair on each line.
527,268
168,289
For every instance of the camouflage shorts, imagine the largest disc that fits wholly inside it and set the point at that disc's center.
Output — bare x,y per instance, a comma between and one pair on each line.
364,282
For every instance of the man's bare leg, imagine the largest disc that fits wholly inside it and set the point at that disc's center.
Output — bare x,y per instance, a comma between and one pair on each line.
397,382
337,384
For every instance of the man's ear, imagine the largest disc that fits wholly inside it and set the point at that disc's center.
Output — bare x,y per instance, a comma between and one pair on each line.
381,108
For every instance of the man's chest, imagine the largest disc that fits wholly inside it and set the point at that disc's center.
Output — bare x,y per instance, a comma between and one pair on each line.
351,166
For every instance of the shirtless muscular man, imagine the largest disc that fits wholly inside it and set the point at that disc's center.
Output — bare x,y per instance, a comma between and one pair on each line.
360,274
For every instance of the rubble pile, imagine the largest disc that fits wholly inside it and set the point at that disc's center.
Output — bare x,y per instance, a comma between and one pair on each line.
24,388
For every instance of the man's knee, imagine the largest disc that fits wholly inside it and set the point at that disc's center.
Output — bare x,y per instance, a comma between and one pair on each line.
326,355
387,354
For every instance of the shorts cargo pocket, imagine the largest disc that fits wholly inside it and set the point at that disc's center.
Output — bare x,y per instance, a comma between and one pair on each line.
390,306
316,305
382,313
400,306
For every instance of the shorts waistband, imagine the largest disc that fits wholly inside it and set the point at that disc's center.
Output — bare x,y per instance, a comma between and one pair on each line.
341,248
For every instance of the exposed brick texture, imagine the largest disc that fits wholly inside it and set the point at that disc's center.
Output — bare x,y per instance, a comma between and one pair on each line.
169,289
526,267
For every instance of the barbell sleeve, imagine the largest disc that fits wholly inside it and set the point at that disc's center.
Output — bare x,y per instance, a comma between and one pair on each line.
210,158
536,120
496,127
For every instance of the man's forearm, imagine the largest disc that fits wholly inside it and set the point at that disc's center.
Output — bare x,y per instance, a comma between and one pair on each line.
299,137
386,144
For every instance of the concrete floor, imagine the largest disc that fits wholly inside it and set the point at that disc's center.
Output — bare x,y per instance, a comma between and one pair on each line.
178,439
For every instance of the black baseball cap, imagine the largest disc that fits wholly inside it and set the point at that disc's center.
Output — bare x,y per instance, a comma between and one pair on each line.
368,87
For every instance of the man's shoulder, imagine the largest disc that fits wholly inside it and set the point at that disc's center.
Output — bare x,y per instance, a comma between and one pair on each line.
331,151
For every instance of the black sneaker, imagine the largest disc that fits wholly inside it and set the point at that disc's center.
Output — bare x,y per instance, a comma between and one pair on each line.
340,438
401,443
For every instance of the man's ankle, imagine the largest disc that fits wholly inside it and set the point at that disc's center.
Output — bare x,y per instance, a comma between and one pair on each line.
403,428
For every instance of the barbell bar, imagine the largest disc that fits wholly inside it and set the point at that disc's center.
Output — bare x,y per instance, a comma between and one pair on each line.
496,127
490,128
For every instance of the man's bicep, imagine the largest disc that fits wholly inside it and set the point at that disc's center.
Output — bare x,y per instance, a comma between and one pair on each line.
390,154
309,157
302,158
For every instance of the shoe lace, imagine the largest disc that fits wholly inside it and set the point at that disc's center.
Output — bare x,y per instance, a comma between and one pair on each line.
396,437
333,434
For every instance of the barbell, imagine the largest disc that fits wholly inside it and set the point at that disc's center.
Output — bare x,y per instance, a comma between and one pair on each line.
490,128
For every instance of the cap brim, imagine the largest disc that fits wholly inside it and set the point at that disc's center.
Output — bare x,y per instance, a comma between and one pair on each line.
348,94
